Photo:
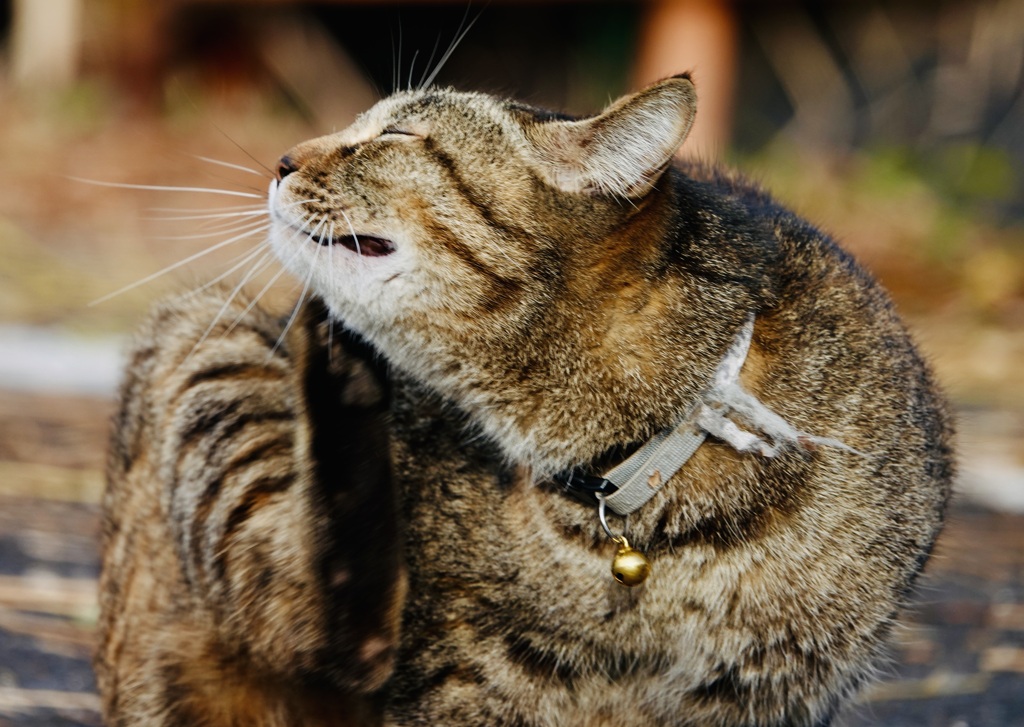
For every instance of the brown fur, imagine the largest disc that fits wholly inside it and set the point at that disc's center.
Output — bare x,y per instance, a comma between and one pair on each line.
552,293
251,562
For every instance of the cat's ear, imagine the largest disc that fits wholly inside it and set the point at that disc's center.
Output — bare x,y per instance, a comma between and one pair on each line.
623,150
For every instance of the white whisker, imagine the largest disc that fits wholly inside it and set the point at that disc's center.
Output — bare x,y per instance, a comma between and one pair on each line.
257,212
197,210
394,63
245,258
229,225
355,237
231,182
298,202
255,270
426,70
255,300
242,149
298,305
459,35
412,67
168,188
398,63
258,225
295,253
180,263
330,320
229,165
253,210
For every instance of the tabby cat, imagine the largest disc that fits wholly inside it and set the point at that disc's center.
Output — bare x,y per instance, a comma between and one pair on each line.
389,526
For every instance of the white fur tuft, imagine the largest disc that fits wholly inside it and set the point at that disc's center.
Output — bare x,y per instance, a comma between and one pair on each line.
622,151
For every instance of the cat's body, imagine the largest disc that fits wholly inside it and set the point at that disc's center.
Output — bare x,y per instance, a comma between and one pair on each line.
547,297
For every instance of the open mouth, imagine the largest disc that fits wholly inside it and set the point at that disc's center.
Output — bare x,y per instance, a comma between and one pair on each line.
362,244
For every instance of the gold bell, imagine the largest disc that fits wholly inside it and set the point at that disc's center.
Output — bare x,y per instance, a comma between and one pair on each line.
630,567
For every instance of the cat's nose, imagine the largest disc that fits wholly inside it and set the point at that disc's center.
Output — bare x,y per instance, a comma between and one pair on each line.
286,166
304,154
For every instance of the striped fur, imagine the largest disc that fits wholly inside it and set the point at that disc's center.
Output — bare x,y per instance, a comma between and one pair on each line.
547,293
250,510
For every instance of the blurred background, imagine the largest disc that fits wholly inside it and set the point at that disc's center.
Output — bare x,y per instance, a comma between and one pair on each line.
896,125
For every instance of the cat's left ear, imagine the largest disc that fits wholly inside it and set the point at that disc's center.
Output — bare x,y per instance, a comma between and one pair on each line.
623,150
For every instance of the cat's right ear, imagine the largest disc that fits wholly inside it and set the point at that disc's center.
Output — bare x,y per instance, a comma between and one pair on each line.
623,150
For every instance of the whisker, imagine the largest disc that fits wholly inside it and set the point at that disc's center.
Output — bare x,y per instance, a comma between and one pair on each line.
330,320
163,188
459,35
259,224
355,237
233,182
258,267
229,138
243,149
225,208
398,64
412,66
394,63
255,270
229,165
295,253
240,261
180,263
230,182
299,202
256,299
227,226
437,43
254,211
243,259
312,234
298,305
211,222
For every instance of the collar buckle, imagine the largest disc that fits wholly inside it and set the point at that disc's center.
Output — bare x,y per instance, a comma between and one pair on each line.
589,489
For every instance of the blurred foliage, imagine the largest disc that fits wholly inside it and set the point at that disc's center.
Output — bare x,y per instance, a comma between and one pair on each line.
966,175
82,107
34,282
891,125
923,223
954,266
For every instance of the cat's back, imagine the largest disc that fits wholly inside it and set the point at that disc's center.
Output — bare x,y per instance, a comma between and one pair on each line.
776,581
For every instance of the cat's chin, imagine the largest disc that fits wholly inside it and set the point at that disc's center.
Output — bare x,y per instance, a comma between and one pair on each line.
364,245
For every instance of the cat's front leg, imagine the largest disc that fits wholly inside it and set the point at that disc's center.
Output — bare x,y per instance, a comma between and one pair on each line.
278,484
250,488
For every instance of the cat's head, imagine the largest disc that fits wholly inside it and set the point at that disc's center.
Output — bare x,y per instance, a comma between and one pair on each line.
444,202
447,226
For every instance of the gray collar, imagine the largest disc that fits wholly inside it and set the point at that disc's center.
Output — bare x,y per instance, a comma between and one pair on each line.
630,485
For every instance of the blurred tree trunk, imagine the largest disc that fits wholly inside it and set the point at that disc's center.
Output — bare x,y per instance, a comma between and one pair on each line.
698,36
140,43
45,42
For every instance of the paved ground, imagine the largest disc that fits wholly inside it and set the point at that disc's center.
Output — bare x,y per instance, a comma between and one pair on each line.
959,662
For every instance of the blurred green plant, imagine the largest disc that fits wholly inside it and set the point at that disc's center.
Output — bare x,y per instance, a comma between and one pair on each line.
926,223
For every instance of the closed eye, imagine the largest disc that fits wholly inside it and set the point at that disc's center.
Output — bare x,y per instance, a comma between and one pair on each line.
397,132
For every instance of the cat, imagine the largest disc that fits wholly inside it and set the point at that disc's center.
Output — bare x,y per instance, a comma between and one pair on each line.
418,524
241,472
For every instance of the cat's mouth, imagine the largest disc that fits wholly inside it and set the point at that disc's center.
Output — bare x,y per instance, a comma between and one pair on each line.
364,245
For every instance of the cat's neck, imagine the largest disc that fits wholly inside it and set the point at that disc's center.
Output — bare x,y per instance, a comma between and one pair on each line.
614,387
619,354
